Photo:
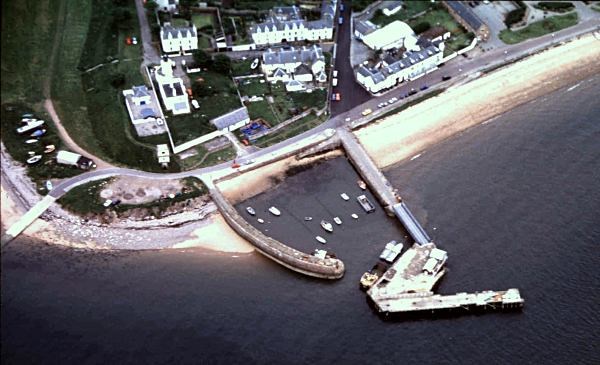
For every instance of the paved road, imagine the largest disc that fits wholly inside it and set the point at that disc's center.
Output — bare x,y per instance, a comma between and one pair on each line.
151,55
458,68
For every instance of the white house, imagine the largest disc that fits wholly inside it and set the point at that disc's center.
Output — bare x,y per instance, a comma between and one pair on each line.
295,85
274,62
391,7
233,120
167,5
178,40
141,104
402,66
362,28
286,25
172,90
394,35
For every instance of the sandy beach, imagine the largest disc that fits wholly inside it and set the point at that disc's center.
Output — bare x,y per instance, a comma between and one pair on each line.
403,135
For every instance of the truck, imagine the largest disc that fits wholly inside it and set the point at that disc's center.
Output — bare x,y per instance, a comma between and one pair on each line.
74,159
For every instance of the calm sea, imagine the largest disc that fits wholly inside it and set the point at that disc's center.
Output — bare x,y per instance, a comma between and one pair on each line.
515,202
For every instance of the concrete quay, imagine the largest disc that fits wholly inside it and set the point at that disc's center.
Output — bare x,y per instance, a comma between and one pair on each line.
328,268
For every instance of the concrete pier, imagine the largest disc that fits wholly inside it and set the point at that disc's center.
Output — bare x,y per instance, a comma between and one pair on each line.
327,268
411,224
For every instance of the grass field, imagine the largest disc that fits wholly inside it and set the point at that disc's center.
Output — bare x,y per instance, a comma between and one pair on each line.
205,158
186,127
299,126
242,67
202,19
538,29
179,22
459,39
261,109
252,87
409,9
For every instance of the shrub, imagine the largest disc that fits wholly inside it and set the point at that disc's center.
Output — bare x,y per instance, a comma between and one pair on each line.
514,16
421,27
557,6
222,64
201,58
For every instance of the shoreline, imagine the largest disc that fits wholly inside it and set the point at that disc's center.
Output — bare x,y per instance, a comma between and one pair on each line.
407,133
388,141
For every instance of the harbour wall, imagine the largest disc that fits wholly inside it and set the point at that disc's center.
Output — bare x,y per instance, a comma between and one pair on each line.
328,268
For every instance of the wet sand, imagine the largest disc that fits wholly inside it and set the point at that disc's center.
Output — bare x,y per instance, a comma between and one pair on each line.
409,132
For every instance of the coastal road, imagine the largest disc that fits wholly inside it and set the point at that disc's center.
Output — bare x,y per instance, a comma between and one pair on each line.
458,68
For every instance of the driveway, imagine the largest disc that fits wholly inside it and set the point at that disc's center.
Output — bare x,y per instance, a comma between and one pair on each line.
151,55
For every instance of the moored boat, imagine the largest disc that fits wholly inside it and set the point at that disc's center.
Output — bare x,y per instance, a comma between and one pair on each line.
345,196
320,253
308,219
327,226
321,239
250,210
260,220
337,220
370,277
34,159
394,252
386,251
362,184
274,211
354,215
365,203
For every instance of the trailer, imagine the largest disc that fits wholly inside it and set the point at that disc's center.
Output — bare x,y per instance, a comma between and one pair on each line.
74,159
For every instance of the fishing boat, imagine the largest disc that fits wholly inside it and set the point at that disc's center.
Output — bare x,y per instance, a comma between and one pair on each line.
394,252
34,159
250,210
50,148
337,220
29,141
355,216
31,153
370,277
260,220
362,185
49,185
345,196
386,251
274,211
38,133
308,219
321,239
365,203
320,254
327,226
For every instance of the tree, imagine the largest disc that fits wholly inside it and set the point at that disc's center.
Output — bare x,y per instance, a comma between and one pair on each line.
201,58
222,64
117,80
200,89
121,18
151,6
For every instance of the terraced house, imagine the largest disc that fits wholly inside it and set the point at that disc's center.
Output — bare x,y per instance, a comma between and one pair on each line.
178,40
303,65
285,24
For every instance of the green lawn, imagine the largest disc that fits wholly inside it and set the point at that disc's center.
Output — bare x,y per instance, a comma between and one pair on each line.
204,42
409,9
251,87
24,69
261,5
204,158
537,29
261,109
459,39
179,22
186,127
202,19
242,67
596,7
299,126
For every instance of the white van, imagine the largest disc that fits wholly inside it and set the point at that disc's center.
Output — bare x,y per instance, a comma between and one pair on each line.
334,82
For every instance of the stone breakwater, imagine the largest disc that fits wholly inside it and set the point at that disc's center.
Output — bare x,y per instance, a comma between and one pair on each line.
328,268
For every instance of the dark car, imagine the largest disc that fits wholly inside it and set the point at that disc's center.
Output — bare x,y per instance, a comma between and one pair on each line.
446,78
424,87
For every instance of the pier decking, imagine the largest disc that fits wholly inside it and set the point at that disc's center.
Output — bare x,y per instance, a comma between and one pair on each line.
411,224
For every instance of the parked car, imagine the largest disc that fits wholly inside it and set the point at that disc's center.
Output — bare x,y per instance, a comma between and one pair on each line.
134,40
334,82
335,72
424,87
366,111
446,78
340,20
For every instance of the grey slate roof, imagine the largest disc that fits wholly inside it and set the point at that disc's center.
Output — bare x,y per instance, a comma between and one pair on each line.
231,118
391,5
286,12
279,73
177,32
303,55
364,27
465,13
303,70
281,17
140,91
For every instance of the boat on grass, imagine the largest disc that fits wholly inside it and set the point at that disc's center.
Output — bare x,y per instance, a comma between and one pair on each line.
327,226
250,210
345,196
33,140
254,64
362,184
34,159
38,133
49,185
337,220
321,239
275,211
50,148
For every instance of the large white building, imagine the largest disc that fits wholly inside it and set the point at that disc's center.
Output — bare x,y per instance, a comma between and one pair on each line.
402,66
303,65
285,24
394,35
178,40
172,89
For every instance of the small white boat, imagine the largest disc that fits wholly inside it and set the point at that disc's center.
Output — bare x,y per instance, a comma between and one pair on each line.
321,239
250,210
344,196
49,185
31,153
327,226
27,115
34,159
29,141
394,252
274,211
355,216
260,220
308,219
254,64
337,220
387,250
320,253
50,148
362,185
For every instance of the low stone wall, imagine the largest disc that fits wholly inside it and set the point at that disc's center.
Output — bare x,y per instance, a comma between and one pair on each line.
293,259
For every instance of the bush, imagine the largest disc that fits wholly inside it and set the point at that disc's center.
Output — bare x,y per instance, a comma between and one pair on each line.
557,6
200,89
117,80
514,16
421,27
222,64
201,58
